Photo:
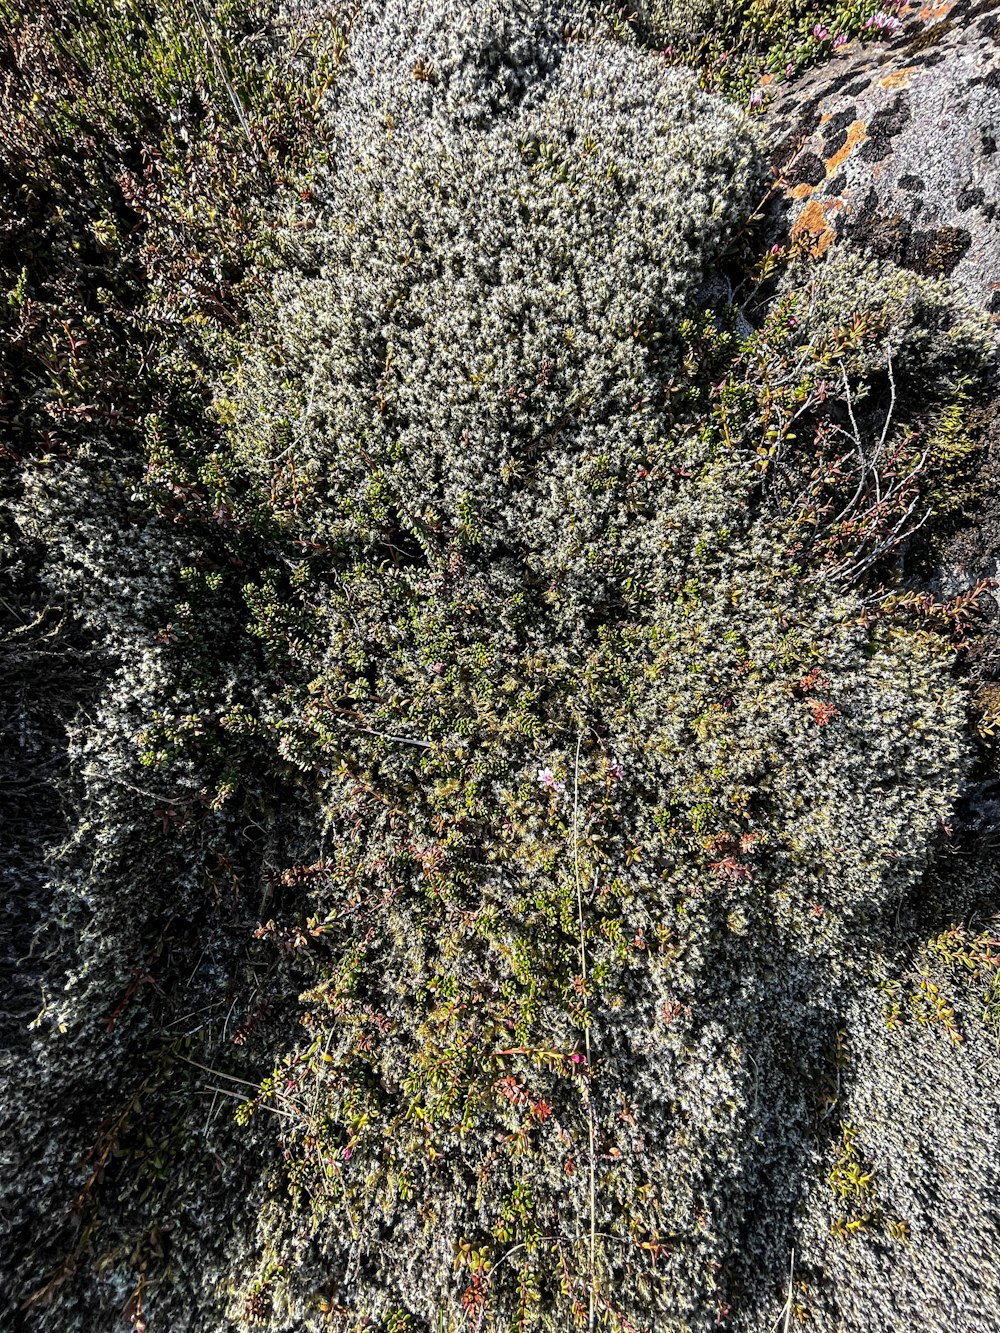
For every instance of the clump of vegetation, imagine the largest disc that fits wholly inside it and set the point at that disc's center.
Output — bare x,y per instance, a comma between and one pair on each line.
589,746
852,1180
509,731
956,967
137,194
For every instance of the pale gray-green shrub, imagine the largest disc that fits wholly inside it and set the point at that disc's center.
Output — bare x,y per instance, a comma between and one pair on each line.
554,674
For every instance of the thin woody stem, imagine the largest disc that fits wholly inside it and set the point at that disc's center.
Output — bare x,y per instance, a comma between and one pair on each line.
586,1035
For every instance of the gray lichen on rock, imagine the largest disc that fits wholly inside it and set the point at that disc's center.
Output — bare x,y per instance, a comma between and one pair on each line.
894,148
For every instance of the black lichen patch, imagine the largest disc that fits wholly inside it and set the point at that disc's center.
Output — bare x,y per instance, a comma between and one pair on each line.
883,128
808,170
986,7
911,182
840,83
931,252
937,253
916,207
927,59
836,129
810,117
971,196
856,88
887,236
929,38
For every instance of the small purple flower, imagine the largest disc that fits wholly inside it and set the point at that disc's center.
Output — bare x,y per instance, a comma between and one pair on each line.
884,22
821,33
757,98
789,70
615,771
347,1154
577,1058
840,39
548,779
437,668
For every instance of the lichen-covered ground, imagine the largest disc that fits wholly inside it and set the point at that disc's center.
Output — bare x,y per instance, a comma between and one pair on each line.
500,672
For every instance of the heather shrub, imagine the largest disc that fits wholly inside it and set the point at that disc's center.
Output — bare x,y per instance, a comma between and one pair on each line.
605,935
137,186
858,401
690,22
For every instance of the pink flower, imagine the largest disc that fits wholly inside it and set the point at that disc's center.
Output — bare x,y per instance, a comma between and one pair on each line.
577,1058
347,1154
757,98
884,22
775,249
840,39
789,70
437,668
821,33
548,779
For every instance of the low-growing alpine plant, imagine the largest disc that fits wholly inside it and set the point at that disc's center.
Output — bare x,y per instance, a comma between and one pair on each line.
607,784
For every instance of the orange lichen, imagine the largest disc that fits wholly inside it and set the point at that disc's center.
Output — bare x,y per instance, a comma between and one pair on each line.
812,227
857,133
898,80
931,13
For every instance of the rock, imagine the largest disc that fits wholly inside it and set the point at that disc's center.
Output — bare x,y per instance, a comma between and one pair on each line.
894,147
